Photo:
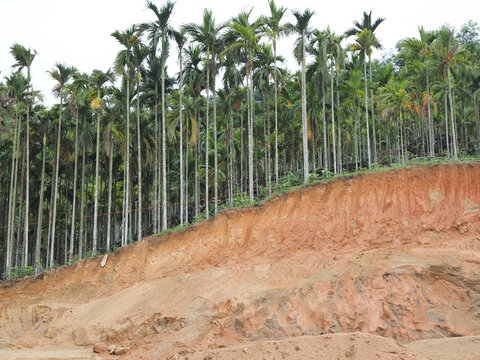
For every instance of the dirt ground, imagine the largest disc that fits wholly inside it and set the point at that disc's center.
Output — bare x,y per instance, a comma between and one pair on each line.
378,266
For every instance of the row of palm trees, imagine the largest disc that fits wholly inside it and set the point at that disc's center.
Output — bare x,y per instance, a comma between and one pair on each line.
262,128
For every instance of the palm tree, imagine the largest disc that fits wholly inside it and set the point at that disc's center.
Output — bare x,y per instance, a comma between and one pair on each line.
302,28
318,73
77,99
123,66
423,47
245,35
450,54
181,39
161,31
23,59
366,23
97,81
274,30
140,53
62,75
207,35
365,42
16,90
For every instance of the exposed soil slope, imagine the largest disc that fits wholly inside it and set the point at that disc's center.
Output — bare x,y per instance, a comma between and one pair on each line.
395,254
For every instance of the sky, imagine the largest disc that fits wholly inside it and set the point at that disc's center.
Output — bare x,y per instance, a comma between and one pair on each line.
78,32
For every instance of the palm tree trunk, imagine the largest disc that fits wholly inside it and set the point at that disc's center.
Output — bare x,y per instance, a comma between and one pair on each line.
126,187
75,168
182,199
325,152
366,113
95,208
452,109
139,165
155,172
373,114
215,179
40,210
206,137
333,117
250,132
27,186
446,122
164,156
339,130
55,191
276,109
431,138
11,205
109,216
304,114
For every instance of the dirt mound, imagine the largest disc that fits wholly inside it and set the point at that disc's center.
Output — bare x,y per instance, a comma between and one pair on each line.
395,254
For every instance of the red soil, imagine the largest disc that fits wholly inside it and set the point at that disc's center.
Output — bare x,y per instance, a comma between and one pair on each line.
394,254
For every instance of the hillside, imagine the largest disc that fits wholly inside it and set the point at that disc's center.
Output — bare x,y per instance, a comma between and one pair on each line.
352,269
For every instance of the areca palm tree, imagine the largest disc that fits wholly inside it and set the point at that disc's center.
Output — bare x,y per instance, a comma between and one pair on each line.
98,79
160,32
23,59
302,28
61,74
207,35
359,26
423,47
318,73
450,54
245,35
17,87
140,53
78,96
275,29
364,44
124,67
181,39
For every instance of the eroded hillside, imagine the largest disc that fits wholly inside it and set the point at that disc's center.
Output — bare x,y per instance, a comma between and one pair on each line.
394,254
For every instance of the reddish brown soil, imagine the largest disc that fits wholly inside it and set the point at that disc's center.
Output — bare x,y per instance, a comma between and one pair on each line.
393,255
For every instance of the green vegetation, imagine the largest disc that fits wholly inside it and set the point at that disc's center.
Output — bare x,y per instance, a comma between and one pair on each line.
143,149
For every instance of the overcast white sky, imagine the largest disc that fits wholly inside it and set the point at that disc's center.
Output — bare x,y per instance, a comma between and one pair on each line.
78,32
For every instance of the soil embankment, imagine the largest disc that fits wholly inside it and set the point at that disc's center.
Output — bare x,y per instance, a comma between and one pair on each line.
391,257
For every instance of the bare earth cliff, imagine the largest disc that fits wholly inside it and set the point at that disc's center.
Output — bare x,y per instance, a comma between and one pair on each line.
378,266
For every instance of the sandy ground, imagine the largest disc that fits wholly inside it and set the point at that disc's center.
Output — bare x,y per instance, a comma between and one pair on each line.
353,269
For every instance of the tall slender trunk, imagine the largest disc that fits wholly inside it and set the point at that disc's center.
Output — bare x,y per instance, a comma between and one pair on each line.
324,116
304,114
126,187
75,169
276,108
453,125
446,122
431,138
139,165
182,199
374,133
339,130
110,170
215,177
95,206
333,117
207,215
366,112
155,172
250,129
11,201
27,186
164,156
38,241
55,190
